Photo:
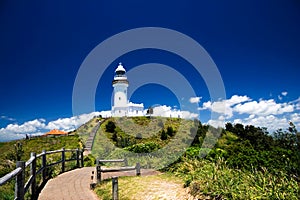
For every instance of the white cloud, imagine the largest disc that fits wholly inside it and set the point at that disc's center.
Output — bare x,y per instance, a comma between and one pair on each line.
235,99
224,107
39,126
284,93
68,124
167,111
7,118
15,131
297,103
195,99
220,107
295,118
26,127
270,121
189,115
263,108
262,113
216,123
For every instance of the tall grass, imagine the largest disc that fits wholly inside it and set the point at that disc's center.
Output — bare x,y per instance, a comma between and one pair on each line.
217,180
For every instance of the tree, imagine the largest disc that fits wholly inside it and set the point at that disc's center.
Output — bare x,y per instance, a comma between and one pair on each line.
229,127
163,135
110,127
170,131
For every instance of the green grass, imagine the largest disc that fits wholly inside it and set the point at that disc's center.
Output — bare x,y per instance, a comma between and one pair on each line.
208,177
8,156
150,129
216,179
84,130
145,187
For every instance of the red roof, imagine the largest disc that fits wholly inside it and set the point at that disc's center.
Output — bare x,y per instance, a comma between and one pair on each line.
56,132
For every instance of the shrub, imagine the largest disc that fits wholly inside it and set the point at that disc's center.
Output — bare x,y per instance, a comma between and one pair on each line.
89,160
170,131
163,135
143,147
110,127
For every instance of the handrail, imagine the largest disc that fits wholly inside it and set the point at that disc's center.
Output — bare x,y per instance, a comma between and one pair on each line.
19,173
10,176
115,160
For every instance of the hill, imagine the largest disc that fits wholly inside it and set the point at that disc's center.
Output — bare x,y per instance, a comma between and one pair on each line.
242,157
211,163
21,149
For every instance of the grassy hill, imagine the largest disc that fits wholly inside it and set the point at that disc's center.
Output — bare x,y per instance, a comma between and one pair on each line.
154,142
21,149
245,163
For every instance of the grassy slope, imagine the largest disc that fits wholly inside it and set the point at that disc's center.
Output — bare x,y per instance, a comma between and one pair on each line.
84,130
8,160
205,178
150,130
163,186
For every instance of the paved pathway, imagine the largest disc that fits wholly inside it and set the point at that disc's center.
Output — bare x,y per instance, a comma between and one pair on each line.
75,184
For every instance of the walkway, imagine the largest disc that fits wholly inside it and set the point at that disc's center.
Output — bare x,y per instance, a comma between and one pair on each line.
75,184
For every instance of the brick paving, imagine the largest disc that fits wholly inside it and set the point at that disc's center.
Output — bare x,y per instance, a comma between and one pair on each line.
72,185
75,184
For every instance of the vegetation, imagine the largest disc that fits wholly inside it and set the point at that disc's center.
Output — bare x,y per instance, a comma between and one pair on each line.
246,162
216,180
162,186
139,139
20,150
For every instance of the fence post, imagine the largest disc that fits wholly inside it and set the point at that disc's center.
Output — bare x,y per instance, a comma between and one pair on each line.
115,192
98,171
63,160
33,174
138,169
81,158
44,165
125,161
77,158
20,181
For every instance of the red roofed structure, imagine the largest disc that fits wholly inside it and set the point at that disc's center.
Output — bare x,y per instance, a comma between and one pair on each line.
56,132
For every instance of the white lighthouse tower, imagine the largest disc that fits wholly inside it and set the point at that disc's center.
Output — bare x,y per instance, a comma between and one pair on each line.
120,84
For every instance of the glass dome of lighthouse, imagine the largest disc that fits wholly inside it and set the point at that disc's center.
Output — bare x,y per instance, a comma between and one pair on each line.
120,75
120,70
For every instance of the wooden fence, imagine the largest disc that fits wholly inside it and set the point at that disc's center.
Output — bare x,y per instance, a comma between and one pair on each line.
100,170
21,187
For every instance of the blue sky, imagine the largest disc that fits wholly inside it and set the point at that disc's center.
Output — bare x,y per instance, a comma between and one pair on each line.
254,44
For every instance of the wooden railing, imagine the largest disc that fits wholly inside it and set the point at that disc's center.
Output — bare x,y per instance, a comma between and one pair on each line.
100,170
21,187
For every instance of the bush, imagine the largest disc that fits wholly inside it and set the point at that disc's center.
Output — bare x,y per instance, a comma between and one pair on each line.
170,131
110,127
143,147
89,160
163,135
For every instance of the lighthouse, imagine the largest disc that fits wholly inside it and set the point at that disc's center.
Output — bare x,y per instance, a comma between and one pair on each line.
121,106
120,85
